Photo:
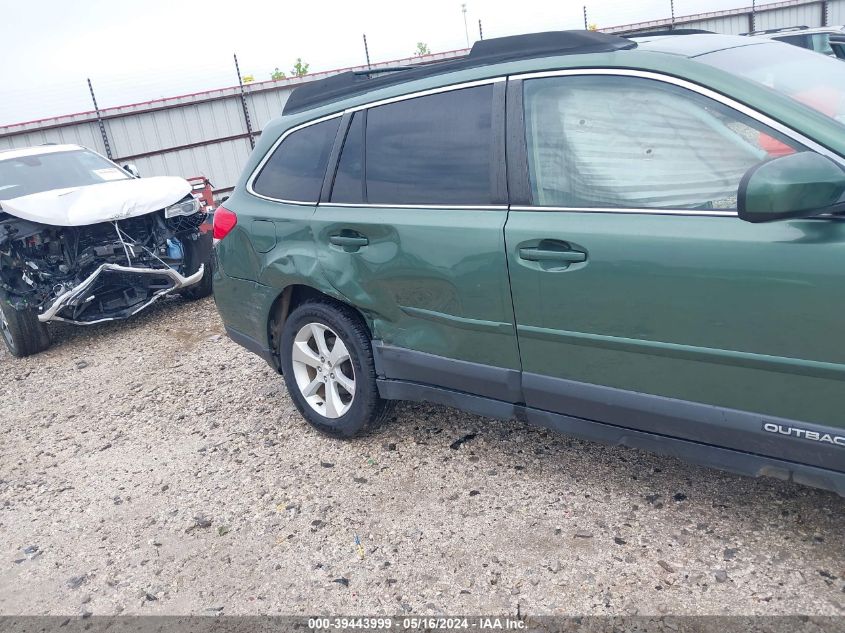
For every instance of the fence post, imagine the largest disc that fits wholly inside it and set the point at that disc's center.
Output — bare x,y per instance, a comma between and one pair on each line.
243,105
480,32
100,122
586,26
466,28
367,51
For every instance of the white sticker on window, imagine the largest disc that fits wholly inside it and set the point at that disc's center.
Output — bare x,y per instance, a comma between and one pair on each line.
110,173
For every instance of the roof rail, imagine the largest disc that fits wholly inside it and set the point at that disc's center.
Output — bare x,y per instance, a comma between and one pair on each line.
671,32
491,51
783,29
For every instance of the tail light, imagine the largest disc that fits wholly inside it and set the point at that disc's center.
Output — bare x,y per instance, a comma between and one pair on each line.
224,222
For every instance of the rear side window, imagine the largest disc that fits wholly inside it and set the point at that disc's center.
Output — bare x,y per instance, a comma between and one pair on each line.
431,150
348,181
296,168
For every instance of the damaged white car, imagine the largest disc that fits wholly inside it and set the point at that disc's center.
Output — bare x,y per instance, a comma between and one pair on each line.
85,241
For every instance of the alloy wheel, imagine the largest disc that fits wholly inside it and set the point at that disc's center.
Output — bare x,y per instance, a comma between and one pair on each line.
323,370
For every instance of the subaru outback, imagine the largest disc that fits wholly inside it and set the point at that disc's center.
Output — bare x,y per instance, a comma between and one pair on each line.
636,241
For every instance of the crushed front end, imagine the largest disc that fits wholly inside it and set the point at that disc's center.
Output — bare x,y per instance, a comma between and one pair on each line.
102,272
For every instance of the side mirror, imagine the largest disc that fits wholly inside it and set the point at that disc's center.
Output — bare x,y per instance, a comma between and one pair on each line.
795,186
130,167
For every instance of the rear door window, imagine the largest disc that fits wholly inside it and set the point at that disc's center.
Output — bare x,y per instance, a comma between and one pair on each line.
296,169
434,149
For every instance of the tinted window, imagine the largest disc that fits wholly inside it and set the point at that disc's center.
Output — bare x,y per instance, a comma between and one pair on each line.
639,143
348,180
431,150
795,40
296,169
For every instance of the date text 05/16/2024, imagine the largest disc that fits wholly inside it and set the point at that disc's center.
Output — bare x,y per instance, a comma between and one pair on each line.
416,623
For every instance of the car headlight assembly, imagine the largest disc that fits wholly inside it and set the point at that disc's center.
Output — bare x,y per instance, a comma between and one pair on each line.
188,206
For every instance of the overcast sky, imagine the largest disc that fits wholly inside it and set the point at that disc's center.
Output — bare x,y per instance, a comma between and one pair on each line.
136,50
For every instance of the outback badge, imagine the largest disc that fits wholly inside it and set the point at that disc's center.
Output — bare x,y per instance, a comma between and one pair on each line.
815,436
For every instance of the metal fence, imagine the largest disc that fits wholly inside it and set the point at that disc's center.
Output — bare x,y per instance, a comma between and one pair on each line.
754,18
205,133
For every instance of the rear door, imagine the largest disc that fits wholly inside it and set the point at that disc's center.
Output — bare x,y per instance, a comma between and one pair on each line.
411,231
641,299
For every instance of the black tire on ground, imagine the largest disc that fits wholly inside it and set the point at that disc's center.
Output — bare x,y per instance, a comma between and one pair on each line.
367,410
21,330
197,252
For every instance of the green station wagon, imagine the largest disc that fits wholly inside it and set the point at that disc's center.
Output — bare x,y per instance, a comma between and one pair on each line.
635,241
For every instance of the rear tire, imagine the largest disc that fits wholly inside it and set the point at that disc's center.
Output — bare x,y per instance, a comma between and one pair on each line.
327,362
196,253
21,330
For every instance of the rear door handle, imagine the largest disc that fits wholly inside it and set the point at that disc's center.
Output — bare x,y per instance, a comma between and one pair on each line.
533,254
355,241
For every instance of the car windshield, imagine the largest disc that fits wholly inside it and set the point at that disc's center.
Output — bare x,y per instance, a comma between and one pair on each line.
815,80
25,175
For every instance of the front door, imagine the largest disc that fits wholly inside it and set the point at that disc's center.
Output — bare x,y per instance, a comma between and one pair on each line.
637,289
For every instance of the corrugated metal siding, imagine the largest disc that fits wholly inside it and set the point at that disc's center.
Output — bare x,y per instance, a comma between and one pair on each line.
733,21
264,106
82,134
804,15
219,162
143,132
161,130
836,12
729,25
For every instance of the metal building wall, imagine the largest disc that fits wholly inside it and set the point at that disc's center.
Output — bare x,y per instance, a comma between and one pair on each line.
836,12
729,25
735,21
803,15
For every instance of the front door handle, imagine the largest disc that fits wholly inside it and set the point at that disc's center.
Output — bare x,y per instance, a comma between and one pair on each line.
533,254
354,241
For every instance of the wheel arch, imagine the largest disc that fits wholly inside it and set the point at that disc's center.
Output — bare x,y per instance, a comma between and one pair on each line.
287,301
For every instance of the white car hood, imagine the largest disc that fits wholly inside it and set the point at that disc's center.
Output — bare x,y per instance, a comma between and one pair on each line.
103,202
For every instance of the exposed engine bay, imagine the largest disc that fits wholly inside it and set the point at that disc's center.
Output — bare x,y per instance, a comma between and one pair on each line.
104,271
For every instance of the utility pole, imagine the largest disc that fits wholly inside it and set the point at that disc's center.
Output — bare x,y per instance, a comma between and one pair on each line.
586,26
243,105
100,121
480,32
367,51
752,21
672,7
466,28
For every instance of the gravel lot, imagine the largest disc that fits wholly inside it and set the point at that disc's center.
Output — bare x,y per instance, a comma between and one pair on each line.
155,467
